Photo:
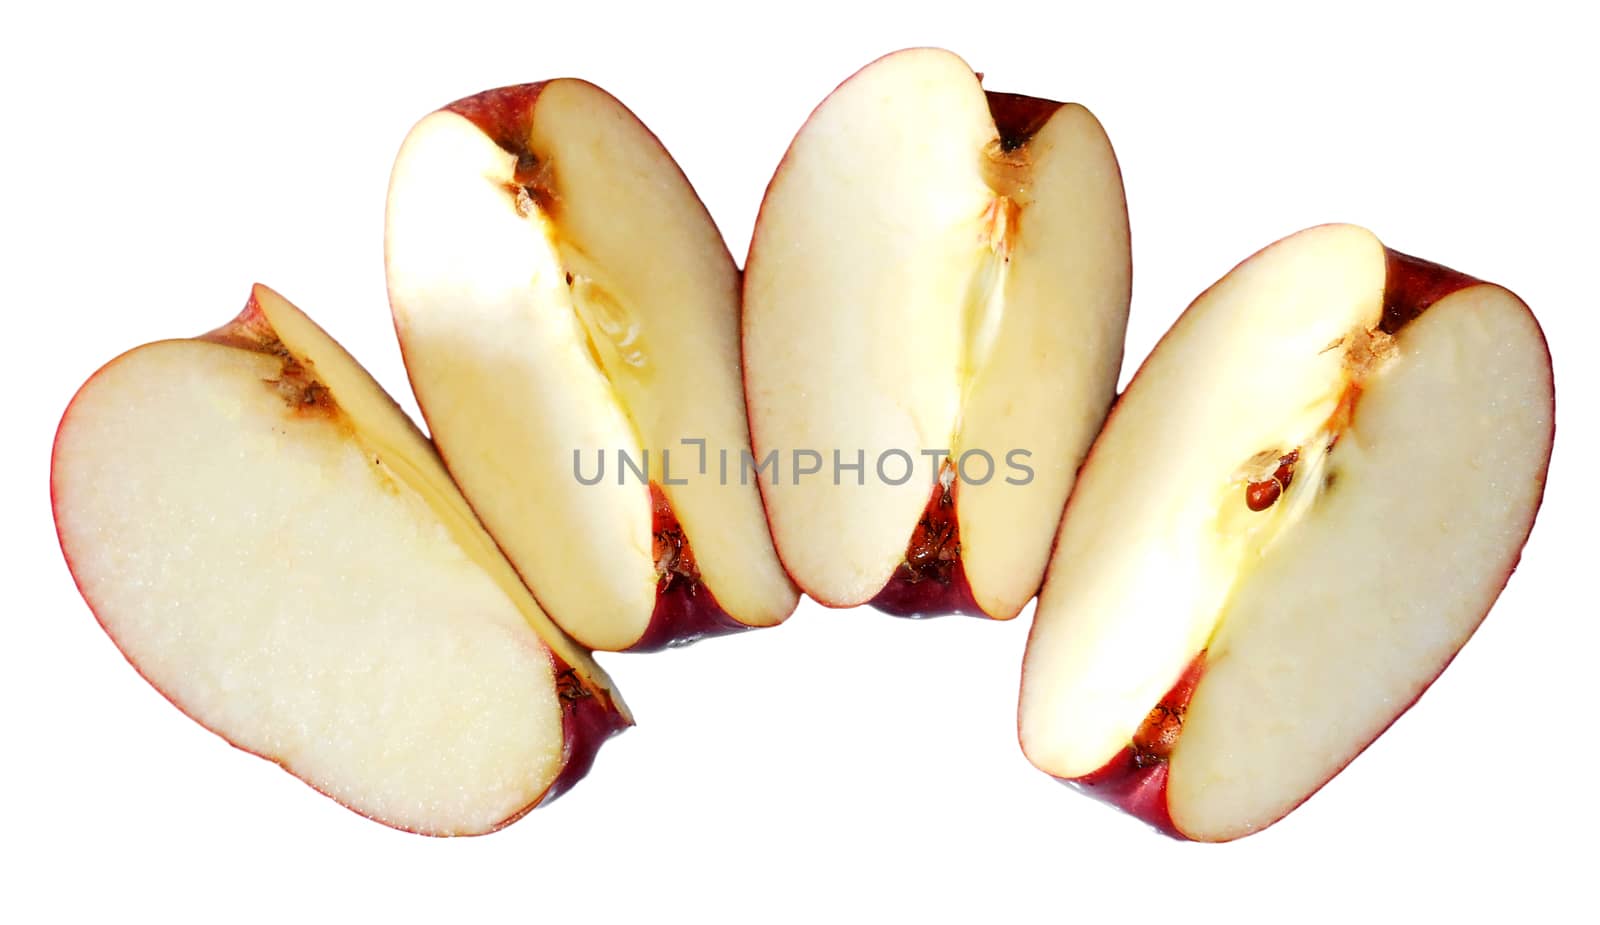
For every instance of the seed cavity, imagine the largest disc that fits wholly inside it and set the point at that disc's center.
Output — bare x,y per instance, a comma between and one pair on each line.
570,688
532,187
615,338
1264,493
1364,352
675,565
934,551
301,391
1152,744
1006,170
1000,224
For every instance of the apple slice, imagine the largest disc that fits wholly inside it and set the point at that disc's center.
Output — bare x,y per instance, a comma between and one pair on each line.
569,313
935,298
274,547
1301,508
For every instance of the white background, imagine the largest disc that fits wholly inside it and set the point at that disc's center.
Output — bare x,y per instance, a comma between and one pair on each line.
157,161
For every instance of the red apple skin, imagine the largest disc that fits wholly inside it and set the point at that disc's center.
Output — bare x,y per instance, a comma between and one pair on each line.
928,598
1018,117
504,114
683,613
686,611
683,617
940,586
1139,792
1411,286
591,717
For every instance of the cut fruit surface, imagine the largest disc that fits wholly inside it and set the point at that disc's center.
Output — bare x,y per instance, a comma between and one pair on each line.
937,285
1301,508
273,546
569,319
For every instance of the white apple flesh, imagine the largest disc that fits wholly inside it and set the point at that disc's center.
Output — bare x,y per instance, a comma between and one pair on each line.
562,298
1301,508
934,270
275,547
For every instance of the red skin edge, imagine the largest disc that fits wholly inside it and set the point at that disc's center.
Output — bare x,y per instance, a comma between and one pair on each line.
684,613
1142,792
505,114
928,598
1411,286
1017,118
931,596
590,718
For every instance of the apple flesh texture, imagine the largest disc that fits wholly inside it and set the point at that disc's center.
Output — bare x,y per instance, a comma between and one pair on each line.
933,268
274,546
557,288
1208,666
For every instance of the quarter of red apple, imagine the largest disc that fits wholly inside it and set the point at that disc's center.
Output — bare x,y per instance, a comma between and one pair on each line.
1303,505
934,308
275,547
569,319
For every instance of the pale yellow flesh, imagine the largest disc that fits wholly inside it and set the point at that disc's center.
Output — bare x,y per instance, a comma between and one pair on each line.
381,426
1364,603
1047,380
1323,616
883,313
291,582
606,326
1143,564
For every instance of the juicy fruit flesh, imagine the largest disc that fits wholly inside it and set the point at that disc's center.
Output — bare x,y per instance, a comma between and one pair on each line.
611,328
1111,637
1057,355
960,261
208,522
475,376
1445,452
933,551
557,287
1270,508
872,271
985,303
272,325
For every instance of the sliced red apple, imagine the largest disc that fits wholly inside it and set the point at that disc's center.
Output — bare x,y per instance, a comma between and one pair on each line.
562,298
1301,508
276,548
938,281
